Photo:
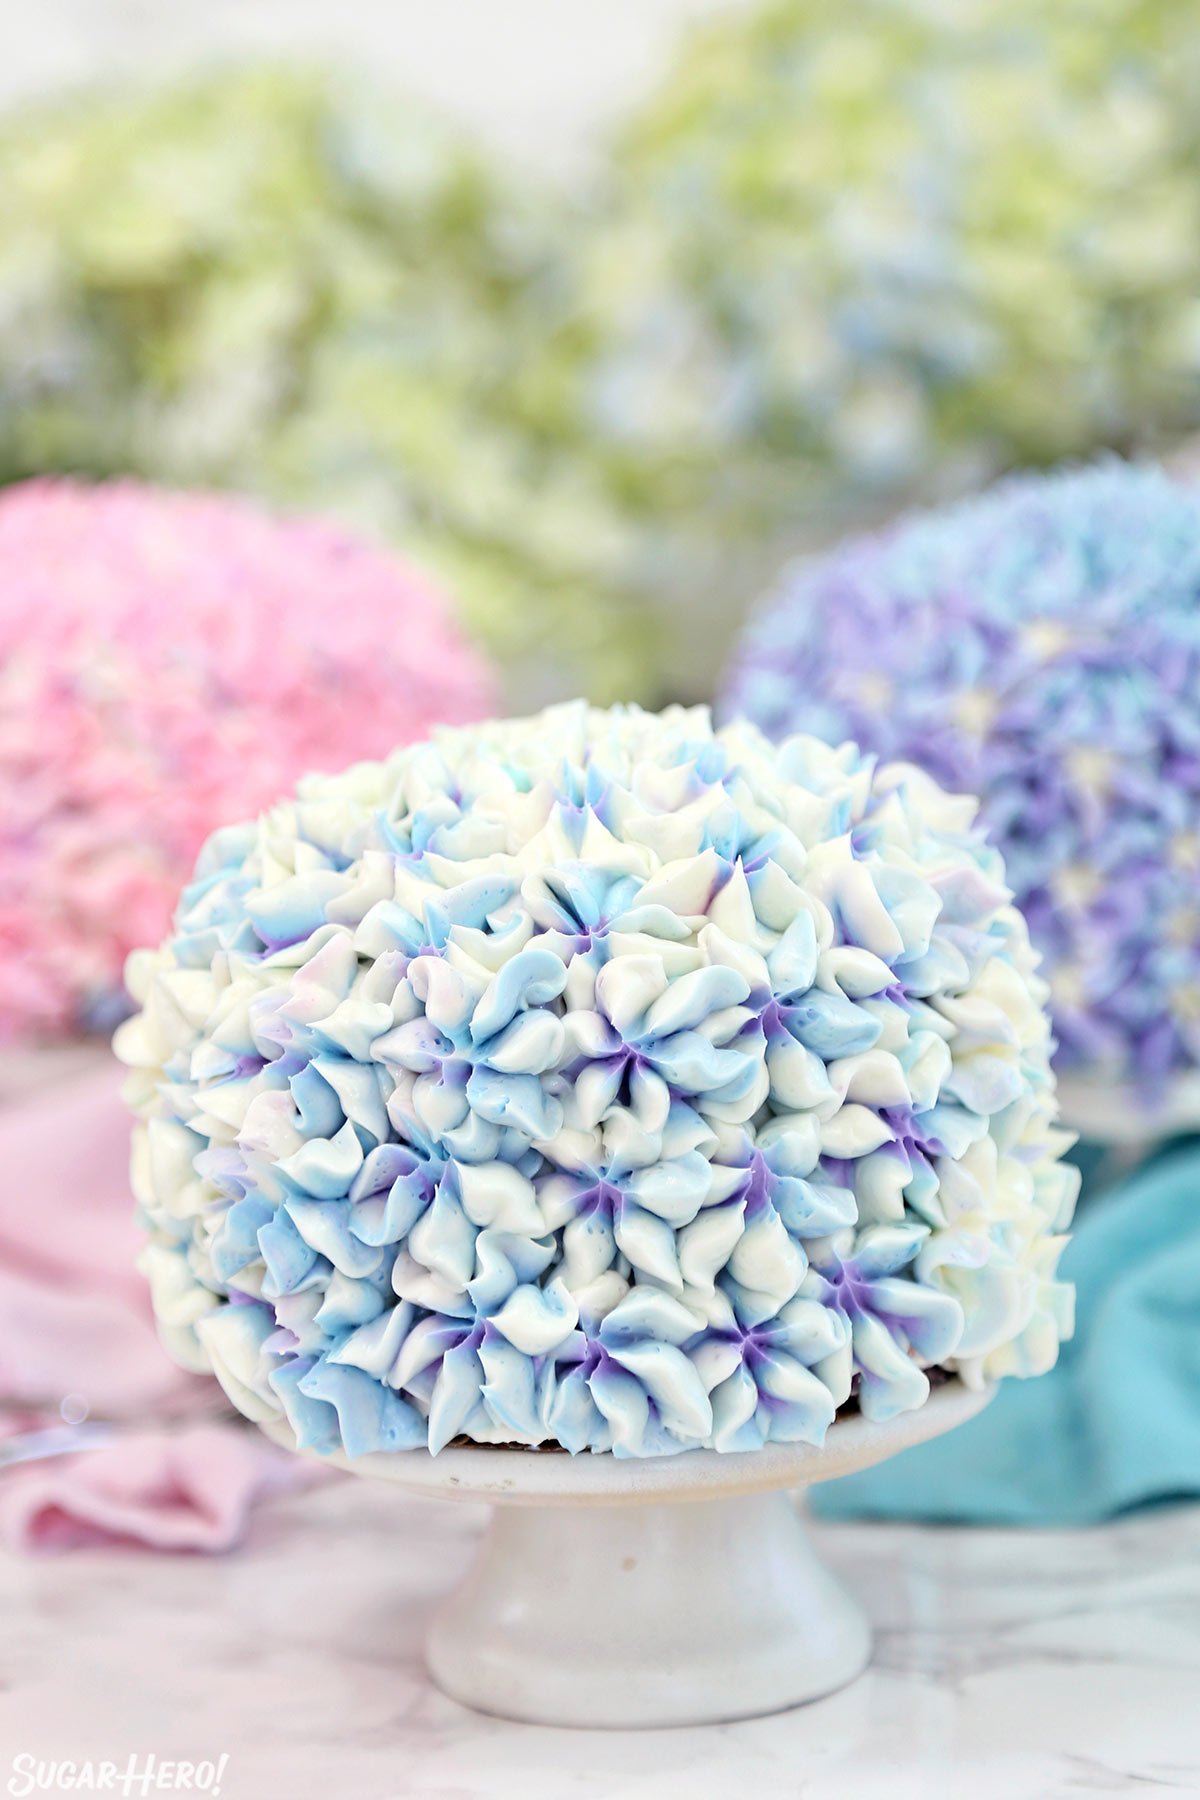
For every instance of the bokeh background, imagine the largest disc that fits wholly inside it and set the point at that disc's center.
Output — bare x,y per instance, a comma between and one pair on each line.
598,312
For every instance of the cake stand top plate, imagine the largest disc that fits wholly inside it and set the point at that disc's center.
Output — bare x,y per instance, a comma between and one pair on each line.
530,1477
1117,1114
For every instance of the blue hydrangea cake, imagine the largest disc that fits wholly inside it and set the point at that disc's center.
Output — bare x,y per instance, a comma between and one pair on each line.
604,1081
1041,646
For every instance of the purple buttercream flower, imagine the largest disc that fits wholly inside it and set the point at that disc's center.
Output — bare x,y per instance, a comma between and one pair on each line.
894,1324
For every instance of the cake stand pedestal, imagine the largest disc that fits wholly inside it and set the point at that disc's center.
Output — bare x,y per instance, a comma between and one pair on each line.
677,1590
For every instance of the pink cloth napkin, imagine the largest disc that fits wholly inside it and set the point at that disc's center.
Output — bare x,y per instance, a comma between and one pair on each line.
191,1489
75,1320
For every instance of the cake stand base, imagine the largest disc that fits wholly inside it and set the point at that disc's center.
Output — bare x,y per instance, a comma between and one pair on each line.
647,1615
665,1590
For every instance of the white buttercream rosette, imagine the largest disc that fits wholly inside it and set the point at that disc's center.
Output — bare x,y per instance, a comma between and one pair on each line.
603,1080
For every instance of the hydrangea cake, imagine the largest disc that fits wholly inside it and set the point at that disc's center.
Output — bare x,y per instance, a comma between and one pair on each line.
289,282
832,275
830,245
166,662
598,1080
1041,646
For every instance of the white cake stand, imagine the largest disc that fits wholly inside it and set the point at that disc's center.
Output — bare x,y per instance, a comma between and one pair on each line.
599,1598
1117,1115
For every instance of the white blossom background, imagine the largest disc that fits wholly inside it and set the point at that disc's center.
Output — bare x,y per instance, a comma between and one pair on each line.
538,79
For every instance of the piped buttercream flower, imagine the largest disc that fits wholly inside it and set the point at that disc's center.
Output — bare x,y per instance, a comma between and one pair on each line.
602,1080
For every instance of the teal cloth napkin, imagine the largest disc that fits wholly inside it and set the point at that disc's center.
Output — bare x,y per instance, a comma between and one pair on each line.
1117,1422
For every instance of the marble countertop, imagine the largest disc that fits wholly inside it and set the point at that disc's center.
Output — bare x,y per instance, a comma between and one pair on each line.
1019,1666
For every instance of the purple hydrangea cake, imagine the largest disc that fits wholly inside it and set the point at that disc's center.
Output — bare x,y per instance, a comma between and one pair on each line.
604,1081
1039,646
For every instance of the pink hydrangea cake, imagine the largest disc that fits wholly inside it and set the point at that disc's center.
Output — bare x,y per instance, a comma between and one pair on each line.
167,662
